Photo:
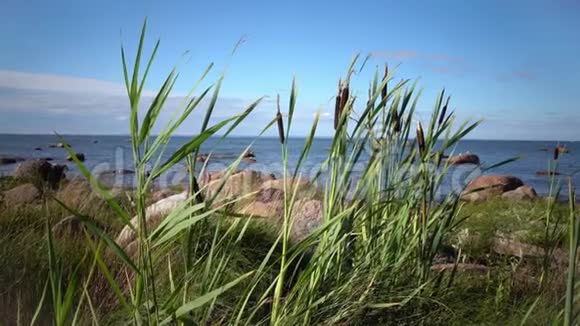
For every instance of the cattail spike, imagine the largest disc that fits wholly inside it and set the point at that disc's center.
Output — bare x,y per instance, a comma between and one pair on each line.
280,121
341,100
344,96
384,89
396,121
420,139
444,111
337,110
556,153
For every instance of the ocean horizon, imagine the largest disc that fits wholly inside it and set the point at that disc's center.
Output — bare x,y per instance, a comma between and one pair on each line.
105,153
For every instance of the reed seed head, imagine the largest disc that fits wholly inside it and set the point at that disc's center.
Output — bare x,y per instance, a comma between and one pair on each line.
280,121
337,110
384,89
420,139
341,100
344,96
443,113
396,121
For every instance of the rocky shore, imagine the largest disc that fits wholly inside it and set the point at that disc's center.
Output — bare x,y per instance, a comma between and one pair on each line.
248,193
505,215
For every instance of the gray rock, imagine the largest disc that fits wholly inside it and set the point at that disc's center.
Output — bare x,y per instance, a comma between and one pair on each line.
80,157
238,184
249,160
521,193
489,186
248,154
154,213
40,171
464,158
307,217
267,195
21,195
161,194
5,159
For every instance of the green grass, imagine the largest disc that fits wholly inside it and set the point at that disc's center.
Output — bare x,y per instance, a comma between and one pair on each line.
23,251
499,296
523,220
7,182
370,261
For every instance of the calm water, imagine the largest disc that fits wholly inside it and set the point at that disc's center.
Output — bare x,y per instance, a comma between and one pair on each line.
113,153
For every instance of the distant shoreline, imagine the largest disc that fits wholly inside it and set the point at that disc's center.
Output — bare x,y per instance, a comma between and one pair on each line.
276,137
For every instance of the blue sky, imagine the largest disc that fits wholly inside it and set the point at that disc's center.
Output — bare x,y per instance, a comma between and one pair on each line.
513,63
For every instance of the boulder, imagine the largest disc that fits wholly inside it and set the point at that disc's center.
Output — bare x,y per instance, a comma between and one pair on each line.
562,149
463,158
21,195
154,213
80,157
267,195
249,160
208,177
488,186
306,217
521,193
40,172
32,168
5,159
162,194
290,183
202,157
268,202
505,244
80,195
248,154
259,209
238,184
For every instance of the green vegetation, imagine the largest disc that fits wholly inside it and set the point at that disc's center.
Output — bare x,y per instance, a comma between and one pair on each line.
500,295
388,250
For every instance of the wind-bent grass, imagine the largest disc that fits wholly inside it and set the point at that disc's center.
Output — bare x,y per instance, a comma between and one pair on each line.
380,228
383,221
140,296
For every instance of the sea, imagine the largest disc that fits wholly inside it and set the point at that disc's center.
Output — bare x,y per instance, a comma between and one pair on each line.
105,154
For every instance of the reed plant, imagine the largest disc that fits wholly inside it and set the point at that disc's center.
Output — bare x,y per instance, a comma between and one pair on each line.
383,217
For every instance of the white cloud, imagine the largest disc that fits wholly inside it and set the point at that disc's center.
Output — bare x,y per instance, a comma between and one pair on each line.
56,83
51,102
28,92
